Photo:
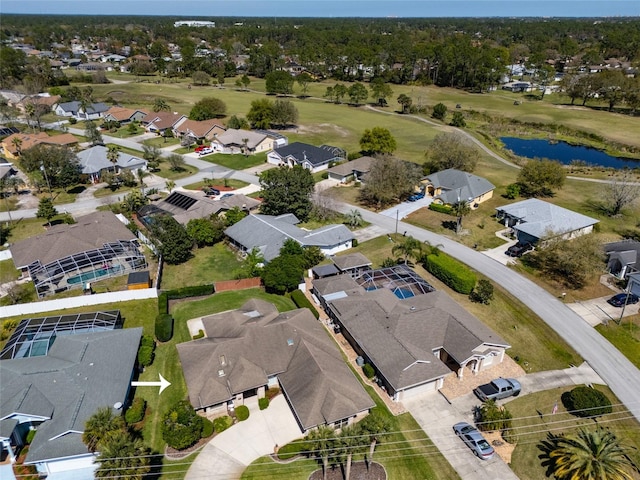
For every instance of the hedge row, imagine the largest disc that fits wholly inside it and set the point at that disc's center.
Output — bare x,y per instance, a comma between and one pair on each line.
303,302
135,412
164,327
451,272
436,207
146,351
184,292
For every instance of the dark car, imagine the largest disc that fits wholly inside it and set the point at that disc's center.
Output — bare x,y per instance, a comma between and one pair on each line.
474,440
227,195
619,299
519,249
210,192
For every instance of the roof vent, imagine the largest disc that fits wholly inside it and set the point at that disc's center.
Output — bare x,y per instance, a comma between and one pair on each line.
221,373
412,308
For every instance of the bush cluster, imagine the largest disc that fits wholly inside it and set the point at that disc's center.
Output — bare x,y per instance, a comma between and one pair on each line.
368,370
242,413
493,417
263,403
207,428
451,272
302,301
146,351
135,412
482,293
164,327
184,292
220,424
182,426
436,207
586,402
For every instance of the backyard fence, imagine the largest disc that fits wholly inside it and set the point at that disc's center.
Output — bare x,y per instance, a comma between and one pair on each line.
240,284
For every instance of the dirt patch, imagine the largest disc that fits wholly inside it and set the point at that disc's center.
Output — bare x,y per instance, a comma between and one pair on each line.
322,128
359,471
503,449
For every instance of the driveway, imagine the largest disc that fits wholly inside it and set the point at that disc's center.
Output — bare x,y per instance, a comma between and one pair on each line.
406,208
596,310
227,455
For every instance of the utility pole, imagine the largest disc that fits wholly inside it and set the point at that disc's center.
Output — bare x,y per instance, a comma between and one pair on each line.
397,219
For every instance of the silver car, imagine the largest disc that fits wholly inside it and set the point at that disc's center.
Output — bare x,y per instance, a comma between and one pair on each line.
474,440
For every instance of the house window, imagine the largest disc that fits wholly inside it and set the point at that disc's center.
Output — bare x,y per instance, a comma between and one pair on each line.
341,423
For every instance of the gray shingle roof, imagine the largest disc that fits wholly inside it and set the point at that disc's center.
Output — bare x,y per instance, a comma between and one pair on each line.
351,260
301,152
360,165
80,374
456,184
74,106
626,251
268,234
539,218
235,137
94,159
245,347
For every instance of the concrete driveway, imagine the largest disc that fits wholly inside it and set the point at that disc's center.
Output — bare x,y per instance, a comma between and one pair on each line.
406,208
596,310
227,455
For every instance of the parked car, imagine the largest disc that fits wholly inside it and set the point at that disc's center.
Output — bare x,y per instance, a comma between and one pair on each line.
519,249
619,299
211,192
474,440
416,196
498,389
205,151
227,195
200,148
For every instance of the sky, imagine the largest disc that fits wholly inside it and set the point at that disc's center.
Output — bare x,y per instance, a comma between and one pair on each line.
330,8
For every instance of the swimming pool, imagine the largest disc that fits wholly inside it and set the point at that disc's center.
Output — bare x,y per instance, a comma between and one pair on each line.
95,274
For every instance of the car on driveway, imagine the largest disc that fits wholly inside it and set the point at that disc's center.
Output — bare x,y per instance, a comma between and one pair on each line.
519,249
474,440
620,299
498,389
226,195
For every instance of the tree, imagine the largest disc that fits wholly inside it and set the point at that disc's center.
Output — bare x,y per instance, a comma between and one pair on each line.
620,192
611,86
282,274
460,209
122,456
587,455
287,190
353,218
208,107
340,91
451,150
260,114
482,292
245,80
203,231
174,243
389,180
92,133
46,209
304,79
160,105
238,123
279,82
380,91
350,443
408,248
284,113
357,93
405,102
439,111
539,178
169,185
458,120
322,441
374,425
113,153
152,155
377,140
58,163
176,162
181,426
141,175
134,201
253,263
100,427
233,216
201,78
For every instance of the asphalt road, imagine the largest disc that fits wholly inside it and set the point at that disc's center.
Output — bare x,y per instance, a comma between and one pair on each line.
613,367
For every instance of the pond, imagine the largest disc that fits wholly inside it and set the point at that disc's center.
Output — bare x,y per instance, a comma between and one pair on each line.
565,153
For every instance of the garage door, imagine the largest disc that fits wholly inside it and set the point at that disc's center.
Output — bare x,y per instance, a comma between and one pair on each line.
420,389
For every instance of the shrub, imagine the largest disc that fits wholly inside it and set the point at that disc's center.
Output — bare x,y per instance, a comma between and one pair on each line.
207,428
30,435
388,262
164,327
436,207
163,303
483,292
147,341
491,416
72,121
135,412
293,449
193,291
242,413
220,424
198,335
513,191
182,426
145,355
451,272
354,242
263,403
586,402
368,370
302,301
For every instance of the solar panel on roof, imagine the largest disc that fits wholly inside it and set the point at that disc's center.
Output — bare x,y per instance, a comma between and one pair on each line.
180,200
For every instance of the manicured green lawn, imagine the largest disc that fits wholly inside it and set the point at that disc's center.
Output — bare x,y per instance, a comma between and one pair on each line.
236,161
625,337
124,132
161,142
106,191
8,271
169,174
227,182
533,419
209,264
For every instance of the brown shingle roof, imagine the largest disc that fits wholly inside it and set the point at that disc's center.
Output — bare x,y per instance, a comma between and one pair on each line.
199,129
121,114
30,140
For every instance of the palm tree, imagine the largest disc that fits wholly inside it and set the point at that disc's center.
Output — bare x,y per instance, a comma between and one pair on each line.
100,426
350,443
159,105
123,457
354,218
322,441
170,185
587,455
245,148
460,208
252,261
432,249
374,425
113,153
17,142
141,174
410,247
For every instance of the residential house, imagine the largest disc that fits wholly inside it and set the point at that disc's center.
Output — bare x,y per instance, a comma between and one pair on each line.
5,130
247,351
44,102
98,246
268,233
124,115
184,206
307,156
75,109
624,258
533,220
413,336
243,141
450,186
353,264
160,122
199,130
94,162
56,388
354,170
14,145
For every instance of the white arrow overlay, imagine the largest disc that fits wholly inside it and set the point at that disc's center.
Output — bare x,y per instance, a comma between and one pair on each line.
163,383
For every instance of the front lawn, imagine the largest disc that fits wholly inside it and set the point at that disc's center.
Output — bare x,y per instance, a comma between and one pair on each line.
236,161
185,171
208,265
232,183
161,142
625,337
533,418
